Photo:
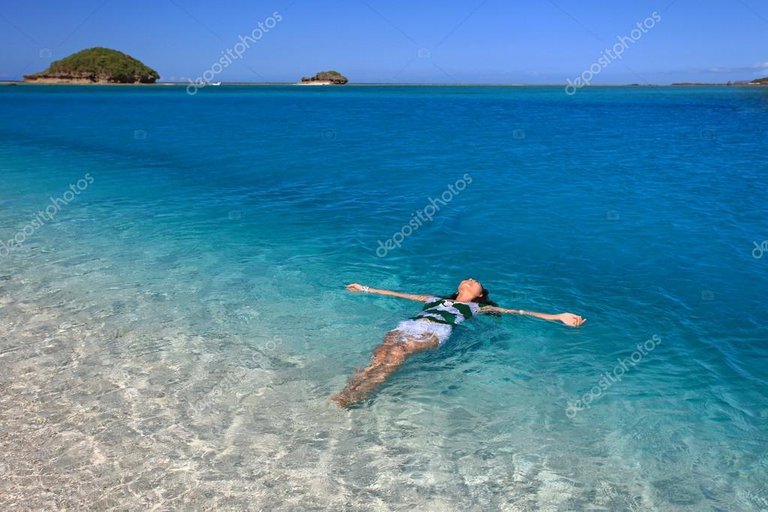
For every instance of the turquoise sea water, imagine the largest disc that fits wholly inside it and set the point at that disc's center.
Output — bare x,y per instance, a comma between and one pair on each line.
170,336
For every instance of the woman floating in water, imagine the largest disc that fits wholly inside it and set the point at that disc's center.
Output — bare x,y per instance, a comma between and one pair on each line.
429,329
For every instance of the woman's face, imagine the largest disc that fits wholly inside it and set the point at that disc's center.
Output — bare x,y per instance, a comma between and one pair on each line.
471,287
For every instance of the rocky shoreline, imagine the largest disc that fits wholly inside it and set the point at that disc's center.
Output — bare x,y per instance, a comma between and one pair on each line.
75,81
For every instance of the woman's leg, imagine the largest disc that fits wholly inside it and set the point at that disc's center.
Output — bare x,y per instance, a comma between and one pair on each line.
387,357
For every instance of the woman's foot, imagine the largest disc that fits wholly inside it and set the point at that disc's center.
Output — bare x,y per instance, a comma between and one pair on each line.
340,400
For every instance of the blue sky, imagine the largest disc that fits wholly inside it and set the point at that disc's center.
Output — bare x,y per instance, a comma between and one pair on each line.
472,41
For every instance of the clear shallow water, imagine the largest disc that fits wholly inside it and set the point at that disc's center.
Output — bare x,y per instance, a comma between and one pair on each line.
171,337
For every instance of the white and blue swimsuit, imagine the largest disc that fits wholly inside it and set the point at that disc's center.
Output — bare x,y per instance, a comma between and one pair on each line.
438,319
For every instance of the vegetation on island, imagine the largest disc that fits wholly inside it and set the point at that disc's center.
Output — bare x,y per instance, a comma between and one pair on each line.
760,81
97,65
333,77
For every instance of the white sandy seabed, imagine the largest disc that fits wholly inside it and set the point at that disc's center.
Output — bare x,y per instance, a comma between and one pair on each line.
120,398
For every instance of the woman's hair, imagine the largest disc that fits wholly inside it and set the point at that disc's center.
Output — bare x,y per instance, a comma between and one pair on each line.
483,300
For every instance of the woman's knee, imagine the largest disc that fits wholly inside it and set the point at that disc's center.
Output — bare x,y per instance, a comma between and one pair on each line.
417,345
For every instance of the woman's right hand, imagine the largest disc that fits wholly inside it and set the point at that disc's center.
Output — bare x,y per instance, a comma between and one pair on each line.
354,287
571,320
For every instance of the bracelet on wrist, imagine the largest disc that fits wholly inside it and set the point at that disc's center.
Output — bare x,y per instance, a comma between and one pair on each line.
365,289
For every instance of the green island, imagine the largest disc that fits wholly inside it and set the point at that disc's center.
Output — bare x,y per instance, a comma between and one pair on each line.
760,81
325,78
96,66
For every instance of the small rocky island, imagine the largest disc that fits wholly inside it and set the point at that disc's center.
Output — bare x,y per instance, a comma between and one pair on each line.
325,78
760,81
96,66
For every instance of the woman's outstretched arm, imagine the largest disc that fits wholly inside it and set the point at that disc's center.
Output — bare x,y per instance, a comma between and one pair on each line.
568,319
354,287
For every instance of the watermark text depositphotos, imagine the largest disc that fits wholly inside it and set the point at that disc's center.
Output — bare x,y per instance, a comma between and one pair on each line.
44,216
609,55
420,217
232,381
608,379
759,249
230,55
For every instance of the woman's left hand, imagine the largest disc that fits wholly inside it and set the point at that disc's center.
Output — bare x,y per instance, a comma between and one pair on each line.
571,320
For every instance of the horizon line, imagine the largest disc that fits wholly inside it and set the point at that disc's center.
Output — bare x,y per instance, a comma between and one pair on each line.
423,84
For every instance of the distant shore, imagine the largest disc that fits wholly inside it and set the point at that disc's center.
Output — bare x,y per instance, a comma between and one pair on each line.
46,82
71,81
